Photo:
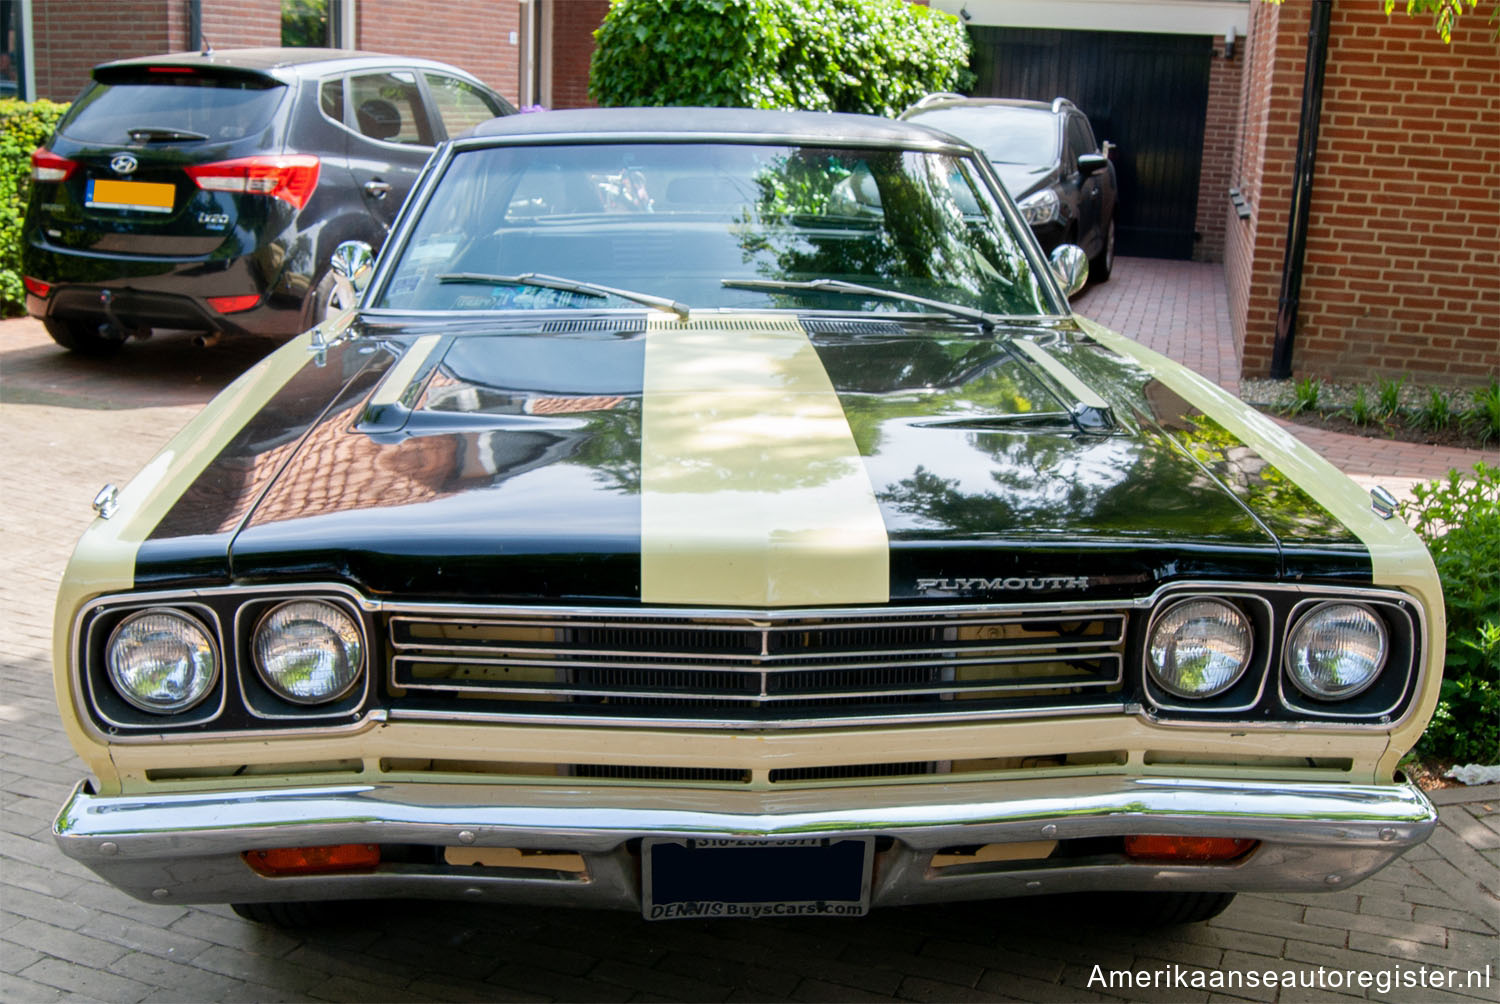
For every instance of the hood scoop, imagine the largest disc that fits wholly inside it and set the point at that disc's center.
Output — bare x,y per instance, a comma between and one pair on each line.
1088,411
1047,421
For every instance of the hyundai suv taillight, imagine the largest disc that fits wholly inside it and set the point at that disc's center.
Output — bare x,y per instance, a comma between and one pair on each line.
48,166
288,177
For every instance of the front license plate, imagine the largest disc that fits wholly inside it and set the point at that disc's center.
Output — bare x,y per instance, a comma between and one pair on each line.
146,196
815,877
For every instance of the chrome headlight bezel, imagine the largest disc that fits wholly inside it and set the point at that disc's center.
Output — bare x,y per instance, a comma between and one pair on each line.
1161,617
156,708
1302,620
274,686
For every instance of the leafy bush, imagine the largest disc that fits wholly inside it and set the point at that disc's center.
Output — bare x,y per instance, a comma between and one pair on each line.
1436,413
1305,396
873,56
1460,520
1388,392
1485,416
1360,410
23,128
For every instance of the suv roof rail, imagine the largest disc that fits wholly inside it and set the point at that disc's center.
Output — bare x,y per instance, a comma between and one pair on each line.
935,97
1059,103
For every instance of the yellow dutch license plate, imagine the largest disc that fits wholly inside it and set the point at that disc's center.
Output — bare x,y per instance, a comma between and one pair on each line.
145,196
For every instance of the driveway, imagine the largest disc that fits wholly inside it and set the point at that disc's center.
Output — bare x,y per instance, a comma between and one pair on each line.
69,425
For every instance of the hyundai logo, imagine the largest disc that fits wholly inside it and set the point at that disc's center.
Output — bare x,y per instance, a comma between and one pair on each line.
123,163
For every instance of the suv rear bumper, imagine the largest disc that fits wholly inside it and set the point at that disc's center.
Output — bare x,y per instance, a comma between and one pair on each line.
136,308
187,847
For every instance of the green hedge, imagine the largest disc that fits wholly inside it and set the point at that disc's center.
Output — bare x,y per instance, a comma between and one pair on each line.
1460,520
23,128
872,56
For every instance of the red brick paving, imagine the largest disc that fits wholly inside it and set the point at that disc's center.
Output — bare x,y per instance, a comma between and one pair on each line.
1180,309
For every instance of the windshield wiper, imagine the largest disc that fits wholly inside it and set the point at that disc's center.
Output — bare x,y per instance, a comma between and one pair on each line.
986,320
152,134
570,286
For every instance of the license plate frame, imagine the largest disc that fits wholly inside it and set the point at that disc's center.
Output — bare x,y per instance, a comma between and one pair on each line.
691,877
139,196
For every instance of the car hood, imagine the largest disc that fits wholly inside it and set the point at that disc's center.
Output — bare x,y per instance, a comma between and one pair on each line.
738,462
1020,180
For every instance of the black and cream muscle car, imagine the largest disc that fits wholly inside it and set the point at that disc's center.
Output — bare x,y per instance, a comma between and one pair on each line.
721,513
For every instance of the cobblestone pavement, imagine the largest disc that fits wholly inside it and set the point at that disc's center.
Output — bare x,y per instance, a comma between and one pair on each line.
68,425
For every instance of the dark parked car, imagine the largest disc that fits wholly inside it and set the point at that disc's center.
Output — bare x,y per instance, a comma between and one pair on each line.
719,512
207,191
1047,156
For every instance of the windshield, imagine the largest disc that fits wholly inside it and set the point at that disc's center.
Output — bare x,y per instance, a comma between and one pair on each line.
676,220
216,108
1006,135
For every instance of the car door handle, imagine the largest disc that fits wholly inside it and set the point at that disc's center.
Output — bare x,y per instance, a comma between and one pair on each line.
377,189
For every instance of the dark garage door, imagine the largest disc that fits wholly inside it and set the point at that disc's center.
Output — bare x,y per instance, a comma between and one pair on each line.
1146,93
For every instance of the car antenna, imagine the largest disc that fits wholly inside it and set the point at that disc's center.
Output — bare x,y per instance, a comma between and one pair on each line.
208,48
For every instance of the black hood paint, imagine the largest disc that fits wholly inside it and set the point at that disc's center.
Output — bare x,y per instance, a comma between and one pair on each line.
516,477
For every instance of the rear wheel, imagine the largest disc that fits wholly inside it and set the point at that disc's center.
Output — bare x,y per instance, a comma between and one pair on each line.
1104,262
325,301
81,337
294,914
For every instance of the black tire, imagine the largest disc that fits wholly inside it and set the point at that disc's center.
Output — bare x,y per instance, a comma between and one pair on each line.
292,914
1164,909
1101,265
82,337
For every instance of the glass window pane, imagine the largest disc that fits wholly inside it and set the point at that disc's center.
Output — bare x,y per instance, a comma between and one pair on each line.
387,106
459,104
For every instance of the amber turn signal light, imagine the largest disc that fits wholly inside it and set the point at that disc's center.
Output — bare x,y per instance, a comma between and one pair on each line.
313,860
1163,848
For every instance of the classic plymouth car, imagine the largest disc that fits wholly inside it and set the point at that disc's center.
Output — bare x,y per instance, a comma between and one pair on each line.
722,513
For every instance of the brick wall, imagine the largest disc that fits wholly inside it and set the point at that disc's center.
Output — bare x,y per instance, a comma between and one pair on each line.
472,36
573,26
234,24
1402,274
1220,128
72,36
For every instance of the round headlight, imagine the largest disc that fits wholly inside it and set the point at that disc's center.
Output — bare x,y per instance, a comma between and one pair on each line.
308,651
161,660
1199,648
1336,650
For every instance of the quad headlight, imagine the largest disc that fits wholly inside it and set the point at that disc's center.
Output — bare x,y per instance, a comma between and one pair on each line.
308,651
1199,648
162,660
1336,650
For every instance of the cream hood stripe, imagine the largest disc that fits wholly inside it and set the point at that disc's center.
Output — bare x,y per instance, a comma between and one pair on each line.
752,489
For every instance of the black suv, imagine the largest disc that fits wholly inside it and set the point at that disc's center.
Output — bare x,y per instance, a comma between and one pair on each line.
206,191
1049,161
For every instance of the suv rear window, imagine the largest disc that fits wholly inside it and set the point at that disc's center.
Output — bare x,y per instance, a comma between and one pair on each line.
219,108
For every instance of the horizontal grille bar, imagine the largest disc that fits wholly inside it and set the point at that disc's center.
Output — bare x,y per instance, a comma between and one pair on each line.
682,670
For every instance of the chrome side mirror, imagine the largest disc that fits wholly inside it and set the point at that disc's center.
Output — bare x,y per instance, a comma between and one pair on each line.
352,264
1071,266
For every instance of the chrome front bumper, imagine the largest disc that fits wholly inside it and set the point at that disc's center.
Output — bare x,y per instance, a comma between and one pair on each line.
187,847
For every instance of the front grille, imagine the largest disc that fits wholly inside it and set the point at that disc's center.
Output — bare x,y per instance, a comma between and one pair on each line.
774,670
